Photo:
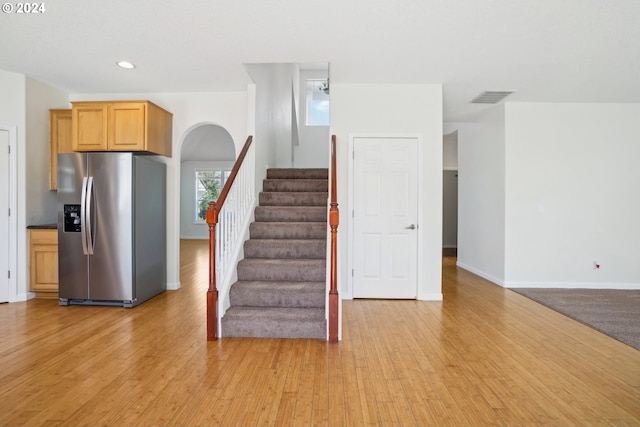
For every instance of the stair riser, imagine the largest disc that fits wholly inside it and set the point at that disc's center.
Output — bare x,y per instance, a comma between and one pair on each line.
297,173
268,270
273,322
285,249
300,185
266,230
267,298
273,329
290,214
293,199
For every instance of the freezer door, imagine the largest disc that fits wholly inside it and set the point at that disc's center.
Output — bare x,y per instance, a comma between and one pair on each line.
111,217
73,263
150,228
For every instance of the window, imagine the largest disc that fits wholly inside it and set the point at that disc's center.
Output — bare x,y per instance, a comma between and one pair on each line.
317,105
209,183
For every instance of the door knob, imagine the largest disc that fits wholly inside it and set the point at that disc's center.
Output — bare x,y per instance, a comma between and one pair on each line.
411,227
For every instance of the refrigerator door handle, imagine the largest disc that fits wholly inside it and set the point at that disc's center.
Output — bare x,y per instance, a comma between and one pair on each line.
83,218
89,223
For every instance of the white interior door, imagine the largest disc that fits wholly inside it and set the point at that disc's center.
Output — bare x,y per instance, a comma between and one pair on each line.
4,216
385,217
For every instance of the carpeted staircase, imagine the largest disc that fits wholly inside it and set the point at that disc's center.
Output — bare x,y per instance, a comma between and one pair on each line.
281,287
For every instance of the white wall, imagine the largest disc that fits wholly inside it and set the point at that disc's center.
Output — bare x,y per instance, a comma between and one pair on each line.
481,194
314,148
13,114
285,140
226,109
401,109
572,195
41,202
274,115
264,131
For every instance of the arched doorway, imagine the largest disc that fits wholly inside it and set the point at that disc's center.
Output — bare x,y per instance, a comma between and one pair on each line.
206,158
205,147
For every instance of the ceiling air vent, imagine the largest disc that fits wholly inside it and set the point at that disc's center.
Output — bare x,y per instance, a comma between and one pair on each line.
491,97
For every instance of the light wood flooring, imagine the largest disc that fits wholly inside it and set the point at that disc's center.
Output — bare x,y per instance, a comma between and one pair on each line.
486,356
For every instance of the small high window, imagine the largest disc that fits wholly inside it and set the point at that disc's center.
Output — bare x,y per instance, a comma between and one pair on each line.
317,104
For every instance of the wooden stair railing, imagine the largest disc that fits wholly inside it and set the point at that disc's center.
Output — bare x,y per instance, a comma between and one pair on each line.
212,220
334,221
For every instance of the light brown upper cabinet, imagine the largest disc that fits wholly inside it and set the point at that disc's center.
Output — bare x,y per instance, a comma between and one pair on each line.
59,141
121,126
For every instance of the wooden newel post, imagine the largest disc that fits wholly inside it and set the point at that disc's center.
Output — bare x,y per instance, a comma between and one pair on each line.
334,220
212,292
333,290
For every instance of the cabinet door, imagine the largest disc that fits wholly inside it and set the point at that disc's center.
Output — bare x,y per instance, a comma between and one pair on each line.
59,141
159,130
89,127
127,126
43,260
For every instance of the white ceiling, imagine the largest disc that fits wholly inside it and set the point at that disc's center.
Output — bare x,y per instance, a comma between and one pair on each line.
545,50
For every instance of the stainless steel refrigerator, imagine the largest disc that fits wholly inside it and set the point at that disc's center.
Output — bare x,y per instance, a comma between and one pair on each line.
111,228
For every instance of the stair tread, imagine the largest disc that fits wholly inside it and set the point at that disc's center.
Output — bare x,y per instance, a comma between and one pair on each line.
293,261
294,241
278,313
285,248
277,294
293,198
293,207
288,230
287,285
291,223
283,282
293,193
295,179
294,269
295,182
293,214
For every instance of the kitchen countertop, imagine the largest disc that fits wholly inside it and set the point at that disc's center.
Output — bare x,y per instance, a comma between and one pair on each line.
42,227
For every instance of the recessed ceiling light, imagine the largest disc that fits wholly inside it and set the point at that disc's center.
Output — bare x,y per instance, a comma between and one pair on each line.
126,64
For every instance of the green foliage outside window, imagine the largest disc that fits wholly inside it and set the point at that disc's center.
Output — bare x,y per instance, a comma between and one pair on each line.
209,186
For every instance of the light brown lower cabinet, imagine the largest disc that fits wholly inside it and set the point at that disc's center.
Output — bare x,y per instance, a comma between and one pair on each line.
43,262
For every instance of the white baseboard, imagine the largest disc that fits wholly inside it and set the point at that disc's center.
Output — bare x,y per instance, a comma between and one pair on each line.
572,285
481,273
173,286
194,237
548,285
23,297
425,297
430,297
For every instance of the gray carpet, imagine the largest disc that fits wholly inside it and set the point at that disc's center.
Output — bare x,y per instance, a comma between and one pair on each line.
615,313
281,287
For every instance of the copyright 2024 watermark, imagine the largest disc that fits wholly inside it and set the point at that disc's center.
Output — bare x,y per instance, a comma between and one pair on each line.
23,8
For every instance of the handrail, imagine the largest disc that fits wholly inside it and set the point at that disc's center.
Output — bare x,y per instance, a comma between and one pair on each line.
334,221
213,211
